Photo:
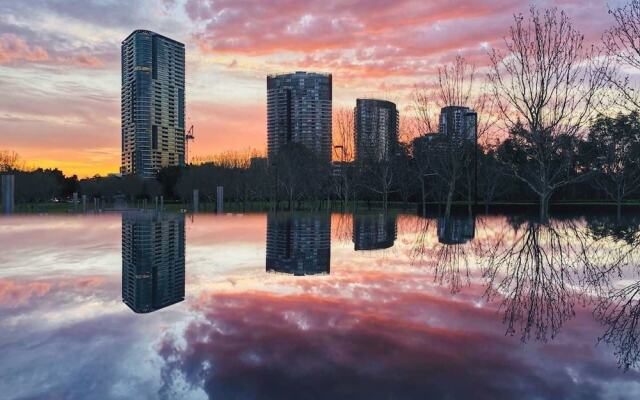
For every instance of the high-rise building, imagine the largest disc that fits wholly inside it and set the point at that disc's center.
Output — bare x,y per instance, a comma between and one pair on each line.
298,244
153,263
458,123
376,129
299,111
152,103
374,231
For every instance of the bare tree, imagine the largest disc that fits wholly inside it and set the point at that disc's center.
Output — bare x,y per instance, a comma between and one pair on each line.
494,180
622,42
456,85
547,84
344,152
378,176
9,161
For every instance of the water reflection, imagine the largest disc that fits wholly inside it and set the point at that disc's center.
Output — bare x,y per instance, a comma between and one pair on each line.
153,260
619,312
451,257
618,308
456,229
374,231
382,325
298,244
612,227
534,270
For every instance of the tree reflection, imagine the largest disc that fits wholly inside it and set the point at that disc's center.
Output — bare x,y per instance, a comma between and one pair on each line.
534,273
451,257
618,241
618,308
624,231
620,313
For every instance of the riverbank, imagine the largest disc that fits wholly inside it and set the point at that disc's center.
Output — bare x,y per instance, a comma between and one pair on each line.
498,207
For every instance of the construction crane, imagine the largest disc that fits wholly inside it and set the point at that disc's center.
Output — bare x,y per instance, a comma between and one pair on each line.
187,137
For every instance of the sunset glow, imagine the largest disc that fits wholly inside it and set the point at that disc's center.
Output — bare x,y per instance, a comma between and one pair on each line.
60,62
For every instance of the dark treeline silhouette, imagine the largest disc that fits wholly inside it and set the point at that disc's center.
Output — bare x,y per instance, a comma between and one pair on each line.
604,166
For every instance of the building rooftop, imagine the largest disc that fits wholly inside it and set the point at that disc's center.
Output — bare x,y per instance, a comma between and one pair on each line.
152,33
388,102
326,74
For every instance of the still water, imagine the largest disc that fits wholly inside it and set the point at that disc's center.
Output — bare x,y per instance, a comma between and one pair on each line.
315,306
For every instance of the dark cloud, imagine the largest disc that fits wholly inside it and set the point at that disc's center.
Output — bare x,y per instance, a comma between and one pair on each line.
257,345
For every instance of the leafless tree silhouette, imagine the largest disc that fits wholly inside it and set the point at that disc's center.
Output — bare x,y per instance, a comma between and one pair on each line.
548,85
620,313
622,42
534,276
450,260
456,85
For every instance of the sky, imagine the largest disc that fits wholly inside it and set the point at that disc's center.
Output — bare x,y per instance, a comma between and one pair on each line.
60,62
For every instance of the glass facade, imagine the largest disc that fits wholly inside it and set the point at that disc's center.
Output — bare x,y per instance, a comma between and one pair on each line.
299,111
458,123
298,244
376,129
153,260
152,101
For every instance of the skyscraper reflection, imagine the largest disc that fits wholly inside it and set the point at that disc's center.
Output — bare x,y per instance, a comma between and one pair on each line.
456,229
374,231
298,244
153,266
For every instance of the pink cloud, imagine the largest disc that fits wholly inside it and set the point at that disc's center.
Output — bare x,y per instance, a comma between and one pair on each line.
290,25
14,292
14,49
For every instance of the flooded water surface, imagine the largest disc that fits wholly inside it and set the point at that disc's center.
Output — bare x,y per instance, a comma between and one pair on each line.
317,306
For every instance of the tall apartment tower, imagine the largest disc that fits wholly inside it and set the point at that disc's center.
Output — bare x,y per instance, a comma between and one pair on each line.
458,123
153,260
152,103
298,244
299,111
376,129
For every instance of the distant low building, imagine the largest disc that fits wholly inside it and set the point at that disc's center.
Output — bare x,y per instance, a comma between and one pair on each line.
258,163
339,168
423,145
456,229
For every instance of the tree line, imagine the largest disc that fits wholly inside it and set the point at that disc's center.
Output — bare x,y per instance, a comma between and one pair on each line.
557,120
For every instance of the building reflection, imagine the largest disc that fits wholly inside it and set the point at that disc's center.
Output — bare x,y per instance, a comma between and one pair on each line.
456,229
374,231
153,260
298,244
